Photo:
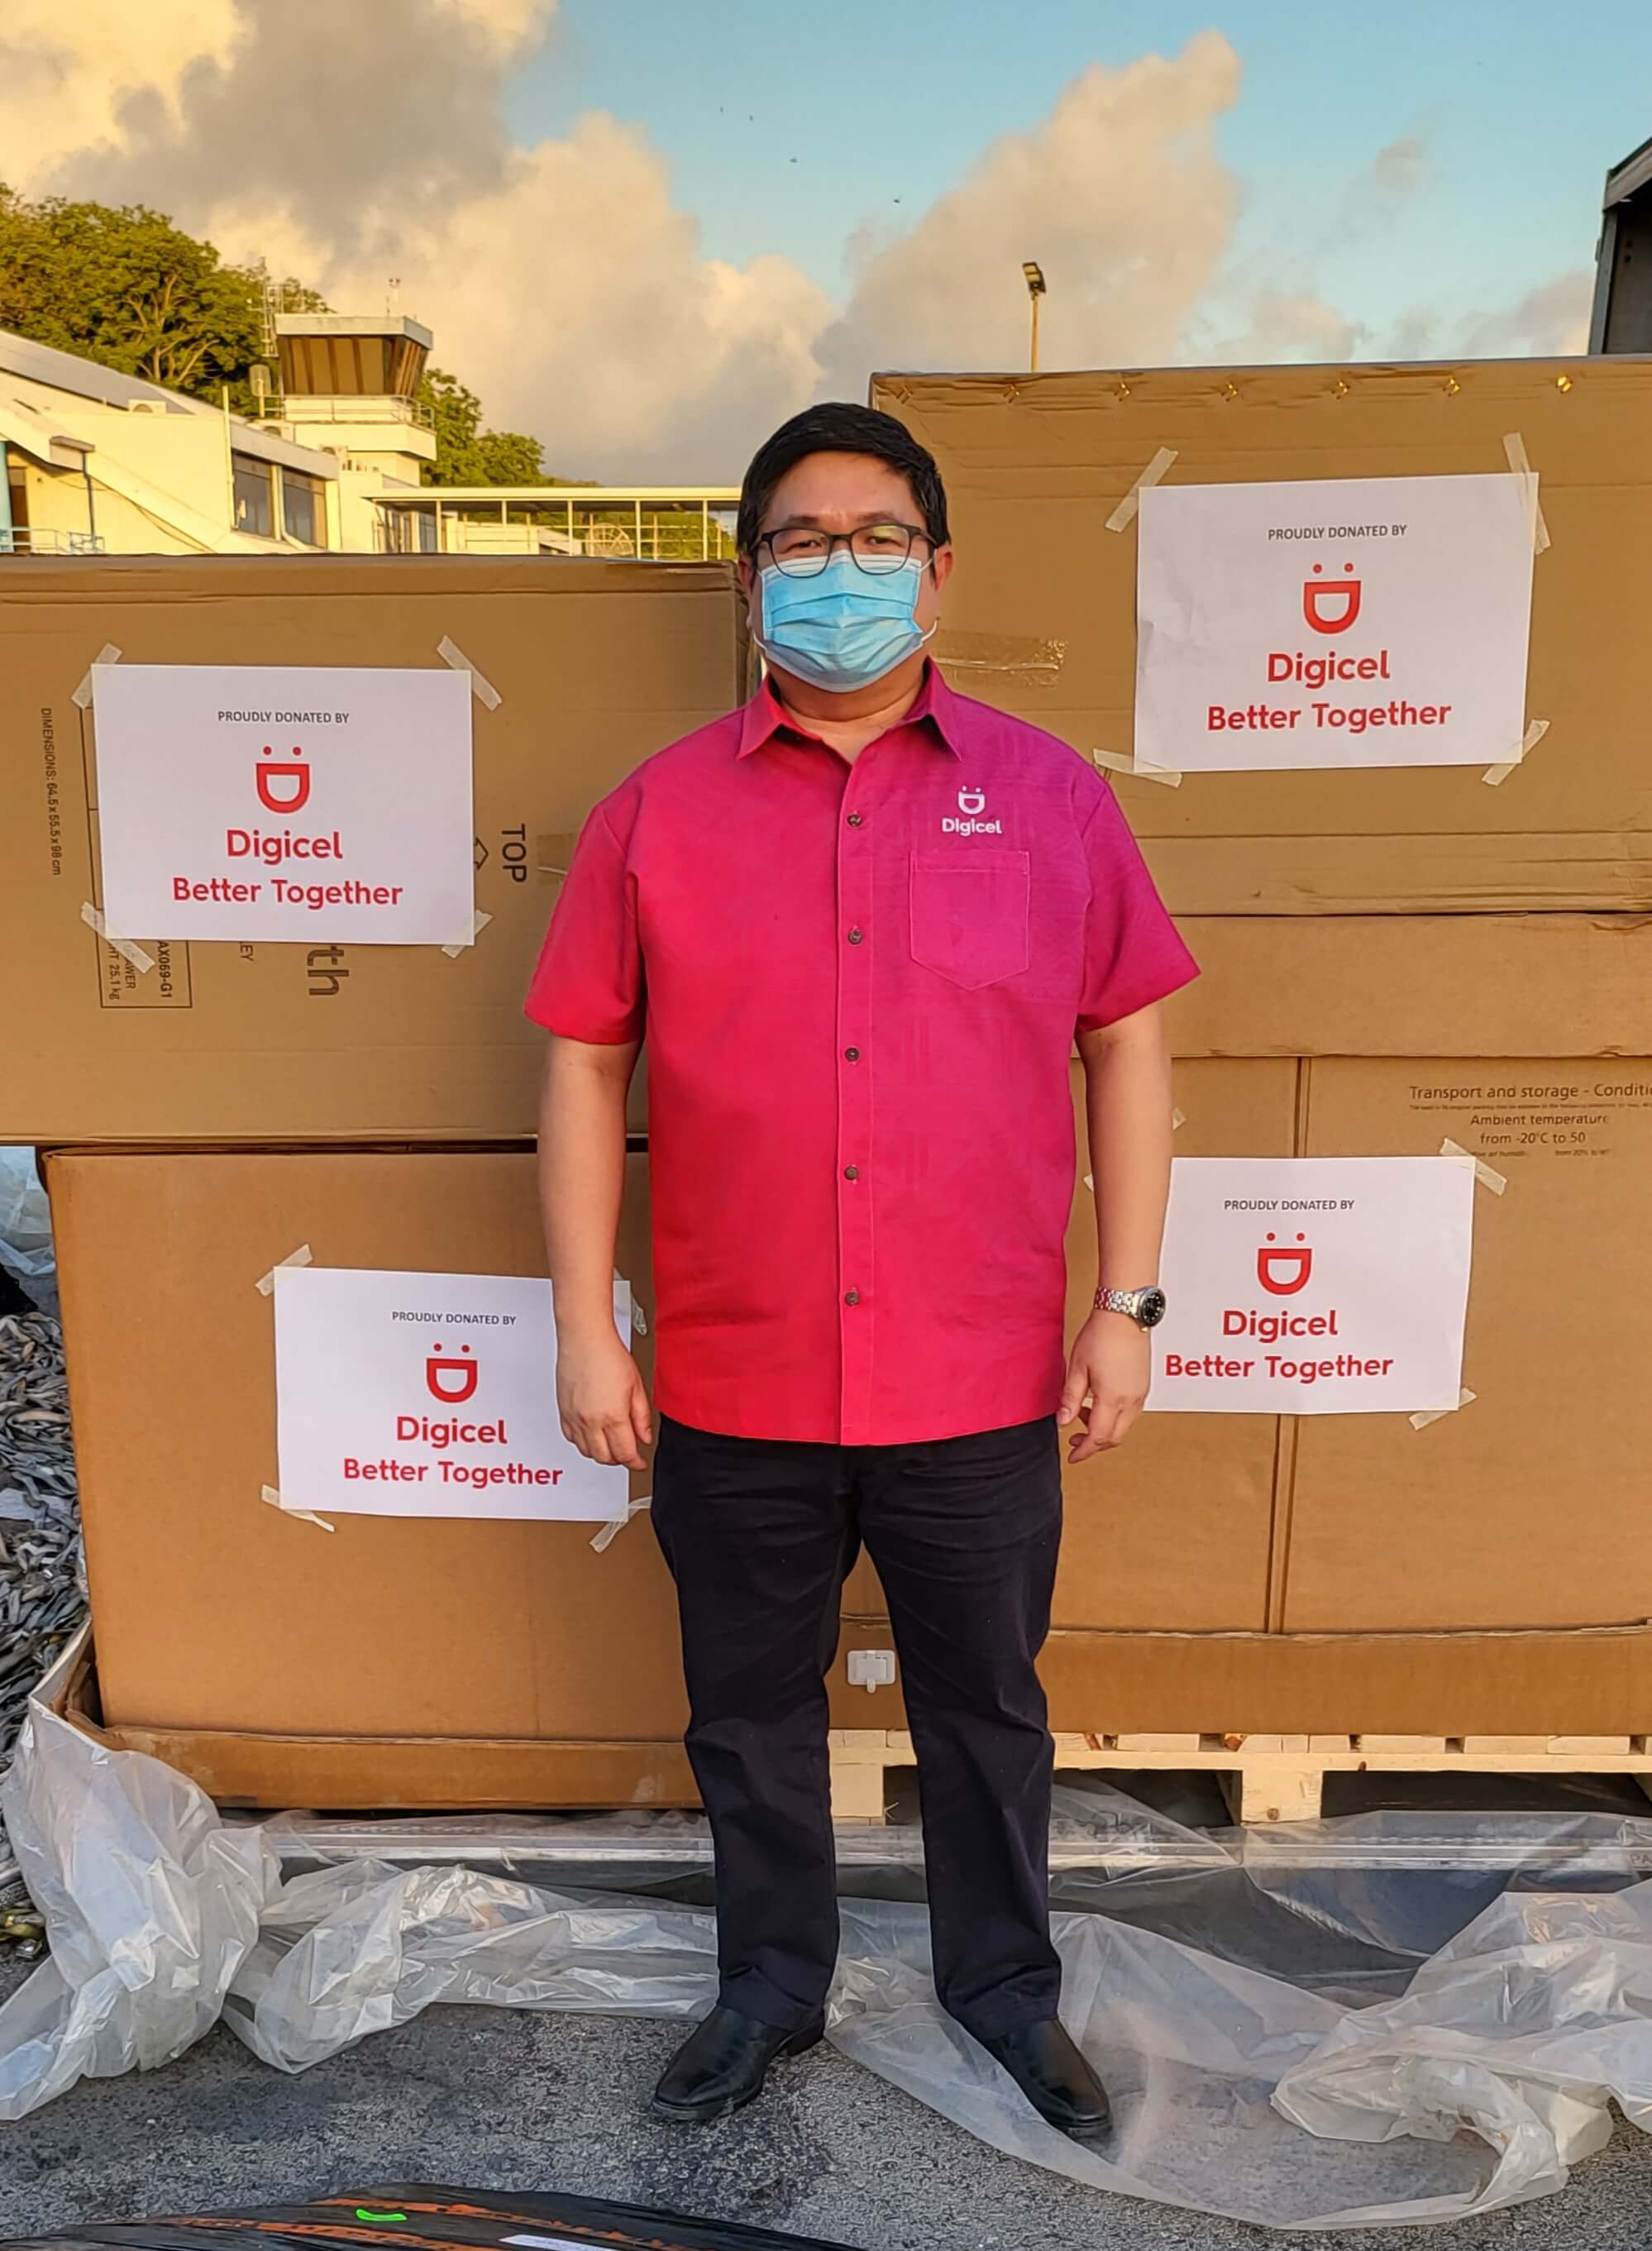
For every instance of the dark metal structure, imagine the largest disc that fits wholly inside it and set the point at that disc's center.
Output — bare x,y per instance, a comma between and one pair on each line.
1622,317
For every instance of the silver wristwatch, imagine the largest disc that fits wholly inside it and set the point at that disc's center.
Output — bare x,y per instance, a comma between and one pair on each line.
1144,1307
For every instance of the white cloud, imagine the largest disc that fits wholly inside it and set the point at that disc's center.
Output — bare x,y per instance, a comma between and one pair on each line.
1119,195
1548,322
67,66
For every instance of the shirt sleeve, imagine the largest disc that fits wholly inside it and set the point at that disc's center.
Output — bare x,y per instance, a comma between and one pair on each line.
1133,954
589,983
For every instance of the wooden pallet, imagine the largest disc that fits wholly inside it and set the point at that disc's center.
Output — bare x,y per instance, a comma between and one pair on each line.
1263,1778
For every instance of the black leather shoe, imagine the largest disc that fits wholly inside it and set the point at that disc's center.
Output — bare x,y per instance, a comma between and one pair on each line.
1056,2081
722,2065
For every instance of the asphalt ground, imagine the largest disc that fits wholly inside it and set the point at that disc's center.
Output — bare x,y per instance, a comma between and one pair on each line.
495,2099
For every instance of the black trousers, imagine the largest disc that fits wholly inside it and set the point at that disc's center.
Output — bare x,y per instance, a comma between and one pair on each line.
759,1537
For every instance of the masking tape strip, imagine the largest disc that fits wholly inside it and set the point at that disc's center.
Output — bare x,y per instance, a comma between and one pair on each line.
610,1531
1465,1398
1494,776
1115,762
1484,1172
480,686
477,928
266,1283
107,655
1514,447
304,1515
128,947
1035,661
1156,468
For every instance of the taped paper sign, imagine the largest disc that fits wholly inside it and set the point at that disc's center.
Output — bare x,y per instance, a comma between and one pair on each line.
1376,621
257,804
1314,1286
428,1395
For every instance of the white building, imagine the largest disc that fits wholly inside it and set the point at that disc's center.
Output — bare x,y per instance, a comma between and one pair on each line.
95,462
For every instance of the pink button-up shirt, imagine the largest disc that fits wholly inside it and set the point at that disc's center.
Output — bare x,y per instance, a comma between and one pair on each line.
860,986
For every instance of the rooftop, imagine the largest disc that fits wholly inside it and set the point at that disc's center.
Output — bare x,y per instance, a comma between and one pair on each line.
103,386
353,324
1628,179
85,378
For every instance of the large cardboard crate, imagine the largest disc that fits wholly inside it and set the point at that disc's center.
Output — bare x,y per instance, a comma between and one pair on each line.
596,666
1041,616
394,1661
1490,1574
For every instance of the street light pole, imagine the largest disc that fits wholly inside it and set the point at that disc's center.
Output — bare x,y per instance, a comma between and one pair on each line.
1036,287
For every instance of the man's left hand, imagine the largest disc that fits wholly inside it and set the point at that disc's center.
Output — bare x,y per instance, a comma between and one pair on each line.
1110,1366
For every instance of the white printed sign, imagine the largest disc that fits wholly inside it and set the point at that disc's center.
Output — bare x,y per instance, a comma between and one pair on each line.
1378,621
1314,1286
428,1395
299,805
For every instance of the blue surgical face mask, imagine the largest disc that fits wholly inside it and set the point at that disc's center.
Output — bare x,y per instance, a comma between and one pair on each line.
844,628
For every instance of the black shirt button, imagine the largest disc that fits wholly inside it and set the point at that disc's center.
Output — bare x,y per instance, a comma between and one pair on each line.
851,1055
852,1172
855,937
851,1297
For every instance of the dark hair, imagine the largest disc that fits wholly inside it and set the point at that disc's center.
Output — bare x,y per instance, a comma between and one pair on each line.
838,427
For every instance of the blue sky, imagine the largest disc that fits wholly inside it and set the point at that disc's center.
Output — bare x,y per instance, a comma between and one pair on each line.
1523,106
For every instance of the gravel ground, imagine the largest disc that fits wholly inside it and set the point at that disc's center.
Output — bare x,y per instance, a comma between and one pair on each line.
488,2099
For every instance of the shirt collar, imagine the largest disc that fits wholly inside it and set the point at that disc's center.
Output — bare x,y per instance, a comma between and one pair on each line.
763,717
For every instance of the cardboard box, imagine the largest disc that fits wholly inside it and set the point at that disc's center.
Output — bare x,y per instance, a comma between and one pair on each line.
1491,1573
382,1774
1041,616
597,665
1586,1681
427,1661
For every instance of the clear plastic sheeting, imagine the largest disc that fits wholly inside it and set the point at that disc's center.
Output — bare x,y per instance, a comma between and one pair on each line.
26,1251
349,1951
1395,2018
151,1905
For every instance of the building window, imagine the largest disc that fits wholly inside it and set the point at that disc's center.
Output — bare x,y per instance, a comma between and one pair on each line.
254,496
410,530
304,508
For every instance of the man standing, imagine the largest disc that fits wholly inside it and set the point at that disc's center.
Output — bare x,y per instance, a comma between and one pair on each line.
862,922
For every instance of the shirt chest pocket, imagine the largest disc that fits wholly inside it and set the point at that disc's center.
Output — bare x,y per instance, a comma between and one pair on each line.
970,915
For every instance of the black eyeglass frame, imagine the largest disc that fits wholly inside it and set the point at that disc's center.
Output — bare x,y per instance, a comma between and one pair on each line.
812,569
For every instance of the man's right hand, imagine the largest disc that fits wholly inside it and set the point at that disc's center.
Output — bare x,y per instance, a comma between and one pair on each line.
602,1401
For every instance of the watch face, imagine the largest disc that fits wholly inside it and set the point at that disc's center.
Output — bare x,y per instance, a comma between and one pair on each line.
1152,1308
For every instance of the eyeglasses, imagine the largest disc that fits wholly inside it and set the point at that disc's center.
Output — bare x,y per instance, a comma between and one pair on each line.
801,552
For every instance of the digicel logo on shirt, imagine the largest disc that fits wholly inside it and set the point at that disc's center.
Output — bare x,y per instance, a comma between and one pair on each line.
1330,606
282,786
452,1379
972,802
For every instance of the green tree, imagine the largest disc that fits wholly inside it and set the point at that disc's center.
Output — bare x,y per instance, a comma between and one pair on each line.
468,454
126,288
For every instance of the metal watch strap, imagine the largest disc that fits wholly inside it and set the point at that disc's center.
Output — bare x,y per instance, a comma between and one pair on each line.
1121,1301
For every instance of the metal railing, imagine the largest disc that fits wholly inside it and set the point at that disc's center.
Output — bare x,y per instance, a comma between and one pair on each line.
29,539
311,406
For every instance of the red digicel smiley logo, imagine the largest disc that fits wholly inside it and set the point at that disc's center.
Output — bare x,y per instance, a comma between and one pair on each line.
1330,589
1283,1272
290,776
450,1380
